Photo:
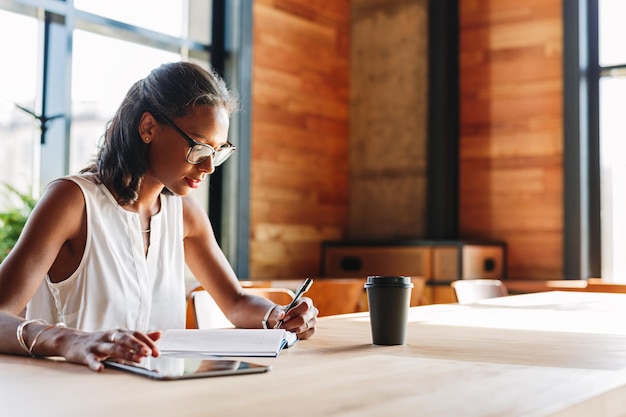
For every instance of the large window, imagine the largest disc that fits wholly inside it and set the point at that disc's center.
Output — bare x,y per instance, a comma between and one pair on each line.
594,132
170,17
612,136
101,75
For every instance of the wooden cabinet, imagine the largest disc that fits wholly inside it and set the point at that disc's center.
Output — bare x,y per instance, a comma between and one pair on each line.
340,260
437,262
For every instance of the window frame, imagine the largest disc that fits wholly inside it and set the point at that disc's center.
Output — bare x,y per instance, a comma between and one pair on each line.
581,159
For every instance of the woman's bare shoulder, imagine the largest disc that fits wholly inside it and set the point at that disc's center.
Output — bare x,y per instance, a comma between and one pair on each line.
62,206
63,189
195,217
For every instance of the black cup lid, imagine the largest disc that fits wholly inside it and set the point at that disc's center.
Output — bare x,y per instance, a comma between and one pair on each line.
388,281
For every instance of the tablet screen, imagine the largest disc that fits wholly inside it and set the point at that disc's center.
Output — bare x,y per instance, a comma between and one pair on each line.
172,368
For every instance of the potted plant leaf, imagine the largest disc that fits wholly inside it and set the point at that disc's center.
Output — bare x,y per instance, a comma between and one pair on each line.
12,219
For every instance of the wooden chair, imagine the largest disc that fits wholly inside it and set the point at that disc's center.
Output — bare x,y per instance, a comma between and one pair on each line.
418,295
337,295
469,291
204,313
330,295
278,295
256,283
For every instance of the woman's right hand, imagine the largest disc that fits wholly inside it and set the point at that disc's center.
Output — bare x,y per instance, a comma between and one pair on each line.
91,348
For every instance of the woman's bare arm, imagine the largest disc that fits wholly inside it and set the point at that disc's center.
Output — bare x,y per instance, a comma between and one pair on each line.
211,268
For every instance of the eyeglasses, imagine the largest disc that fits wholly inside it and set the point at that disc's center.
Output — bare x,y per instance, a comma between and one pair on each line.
200,152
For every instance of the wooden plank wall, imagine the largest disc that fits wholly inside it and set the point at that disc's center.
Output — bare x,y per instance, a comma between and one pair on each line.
300,105
511,145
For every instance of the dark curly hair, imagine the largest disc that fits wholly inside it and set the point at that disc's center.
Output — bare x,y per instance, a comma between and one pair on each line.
171,90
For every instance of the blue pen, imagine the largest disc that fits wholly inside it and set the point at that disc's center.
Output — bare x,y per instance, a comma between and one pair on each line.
303,288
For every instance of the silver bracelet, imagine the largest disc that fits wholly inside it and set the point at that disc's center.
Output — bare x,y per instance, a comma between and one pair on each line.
20,332
32,345
267,316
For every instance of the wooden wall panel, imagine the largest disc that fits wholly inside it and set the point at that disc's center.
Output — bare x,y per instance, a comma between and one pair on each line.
511,151
300,108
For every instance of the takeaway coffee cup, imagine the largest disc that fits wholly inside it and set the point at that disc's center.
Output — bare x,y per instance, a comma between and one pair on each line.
388,298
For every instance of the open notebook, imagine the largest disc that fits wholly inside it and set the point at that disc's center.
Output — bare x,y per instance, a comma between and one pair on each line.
226,342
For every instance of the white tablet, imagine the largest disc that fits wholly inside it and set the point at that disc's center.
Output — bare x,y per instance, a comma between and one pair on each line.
167,368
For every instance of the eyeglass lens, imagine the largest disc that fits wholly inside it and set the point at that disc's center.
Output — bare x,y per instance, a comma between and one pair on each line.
200,153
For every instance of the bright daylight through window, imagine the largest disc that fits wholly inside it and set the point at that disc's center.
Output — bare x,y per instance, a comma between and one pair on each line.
19,131
612,31
93,103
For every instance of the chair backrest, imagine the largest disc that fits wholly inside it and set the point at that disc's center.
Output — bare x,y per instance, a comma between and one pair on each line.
338,295
469,291
278,295
204,313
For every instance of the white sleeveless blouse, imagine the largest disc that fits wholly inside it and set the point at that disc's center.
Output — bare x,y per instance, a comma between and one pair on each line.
116,285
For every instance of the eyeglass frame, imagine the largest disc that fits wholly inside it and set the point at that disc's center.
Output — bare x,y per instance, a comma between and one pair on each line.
193,143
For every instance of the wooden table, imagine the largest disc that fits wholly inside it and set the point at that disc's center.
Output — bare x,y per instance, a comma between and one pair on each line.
544,354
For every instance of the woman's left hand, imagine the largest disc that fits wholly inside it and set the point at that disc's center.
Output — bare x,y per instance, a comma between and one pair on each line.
301,319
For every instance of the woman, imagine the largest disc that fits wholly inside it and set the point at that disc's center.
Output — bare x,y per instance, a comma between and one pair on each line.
105,250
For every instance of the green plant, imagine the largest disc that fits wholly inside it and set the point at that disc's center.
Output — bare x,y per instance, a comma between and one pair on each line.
12,220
